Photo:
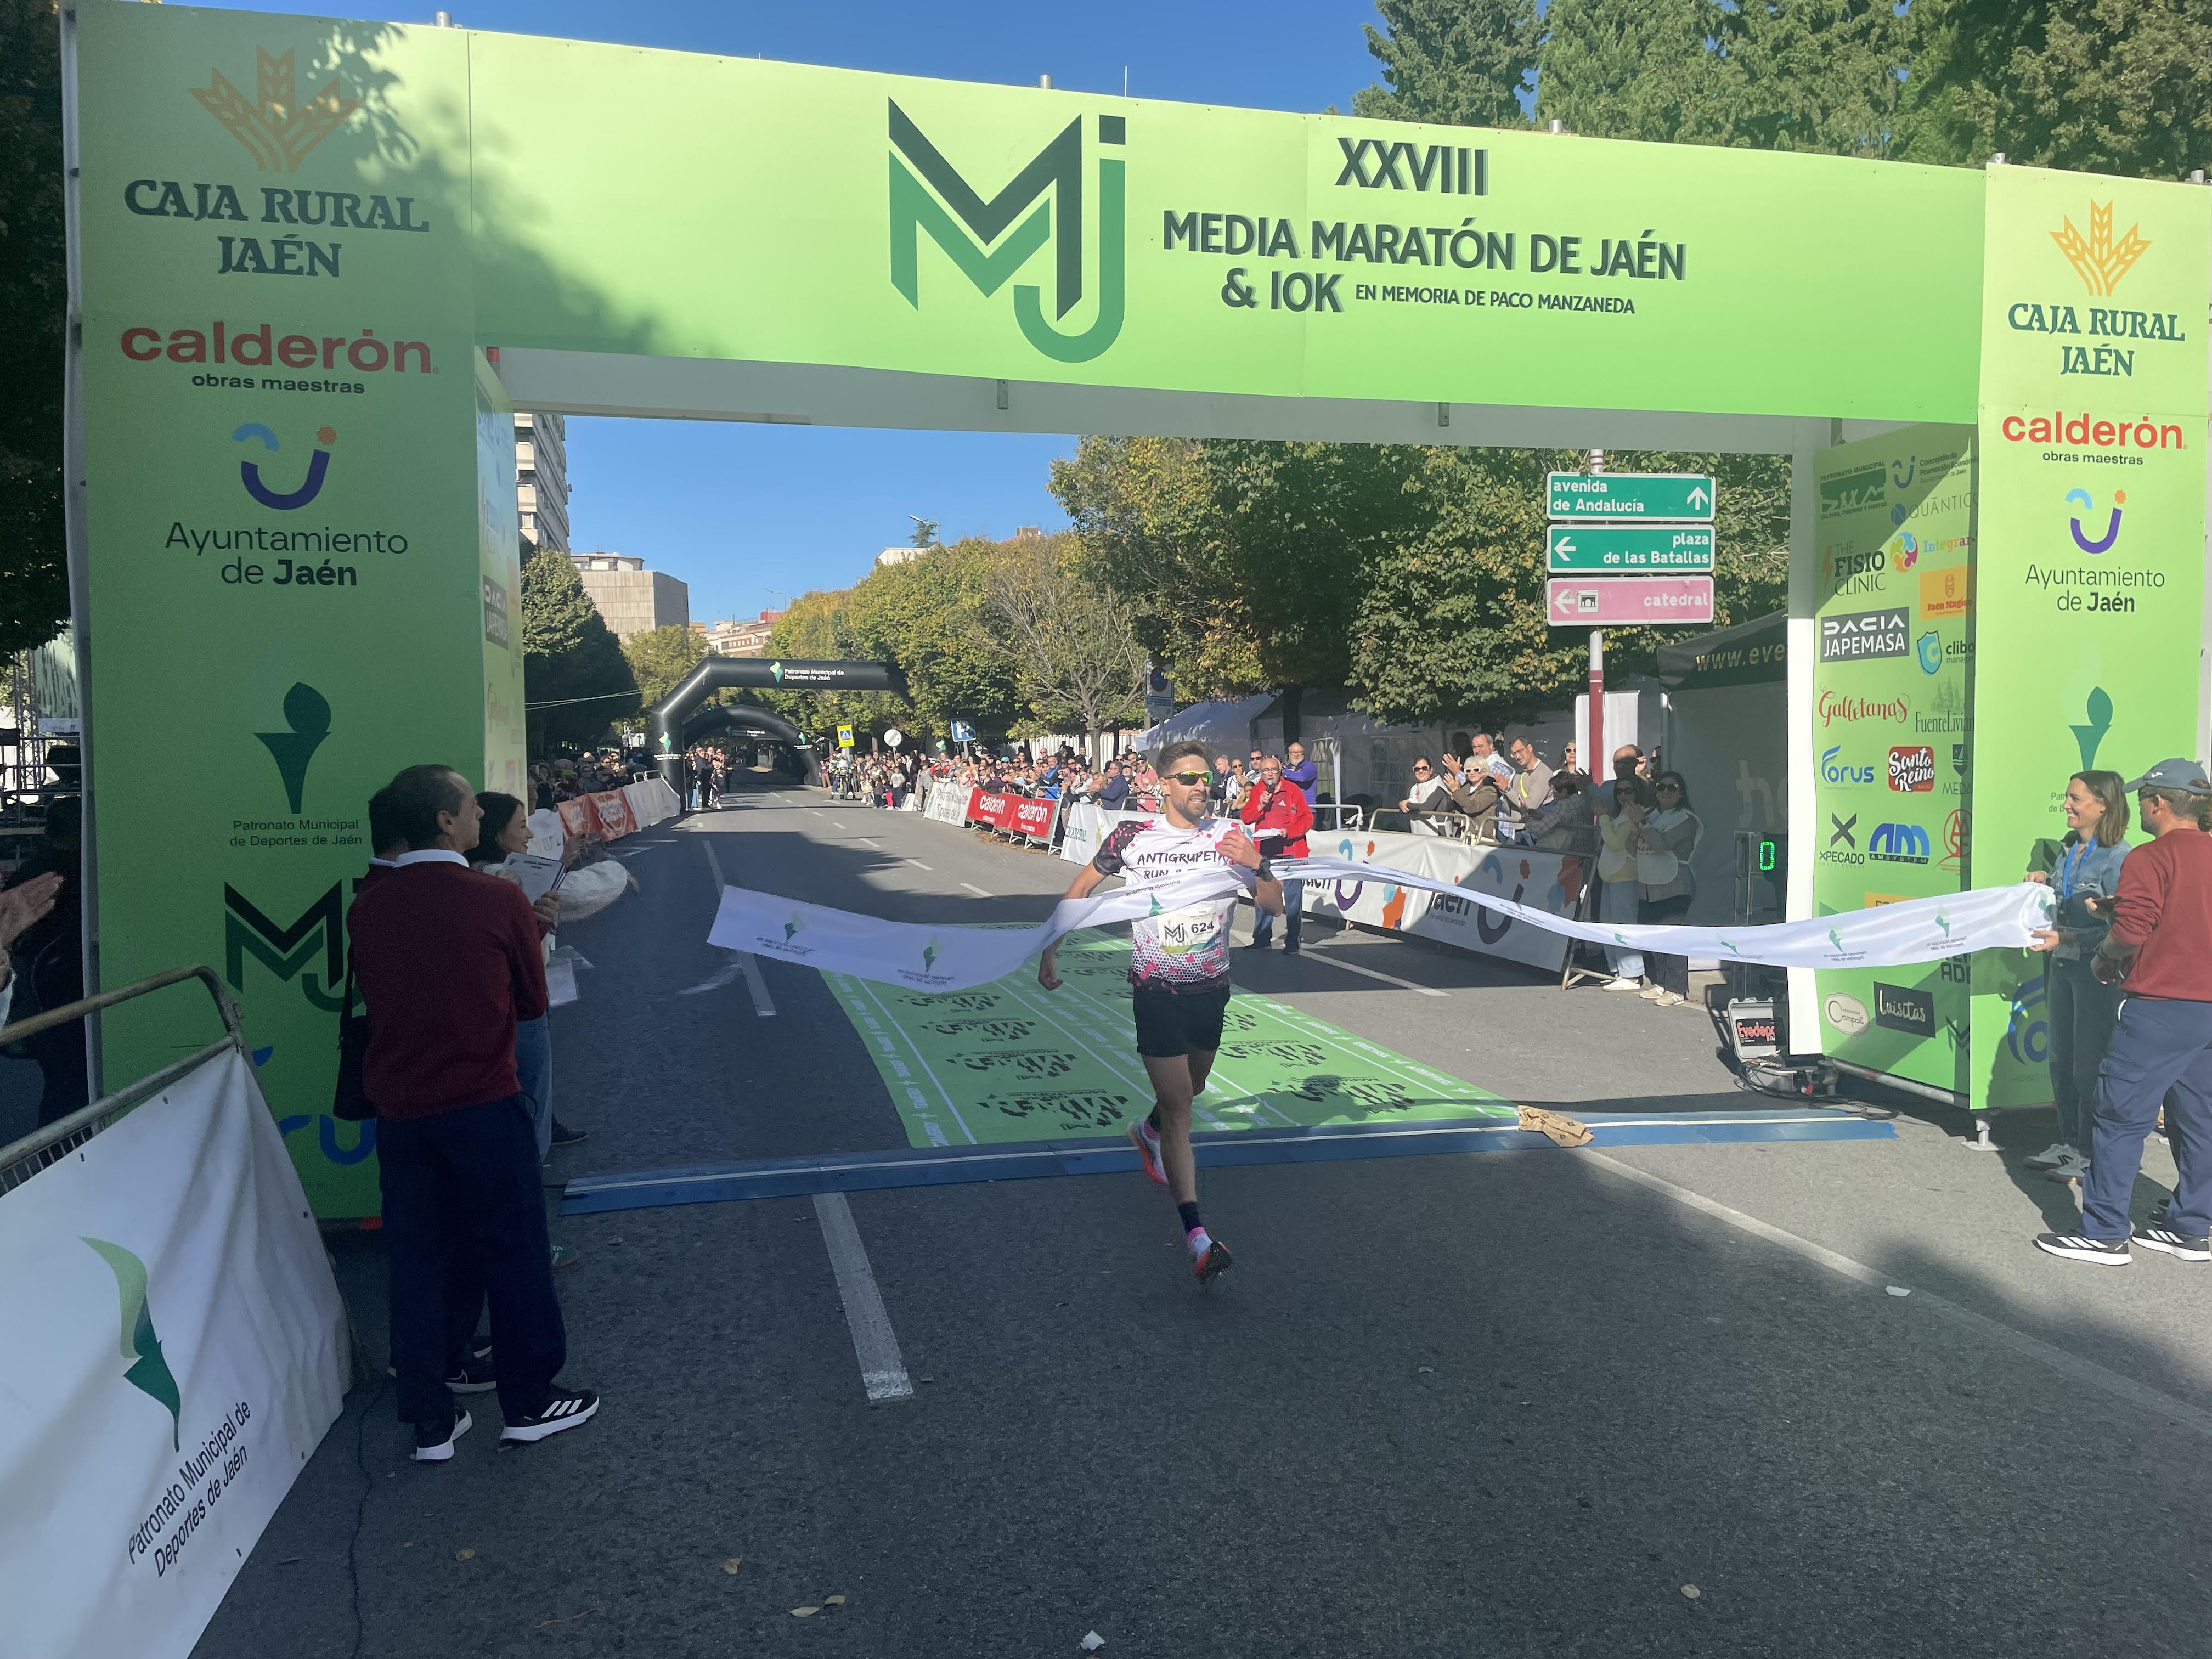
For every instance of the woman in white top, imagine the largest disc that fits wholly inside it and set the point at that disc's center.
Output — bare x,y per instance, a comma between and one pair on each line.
1665,843
1620,895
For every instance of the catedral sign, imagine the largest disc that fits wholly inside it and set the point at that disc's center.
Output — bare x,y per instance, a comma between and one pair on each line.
301,240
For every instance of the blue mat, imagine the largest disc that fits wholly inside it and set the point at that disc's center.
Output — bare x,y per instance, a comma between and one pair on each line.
849,1172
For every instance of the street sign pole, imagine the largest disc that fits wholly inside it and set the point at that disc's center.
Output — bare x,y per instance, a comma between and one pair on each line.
1596,706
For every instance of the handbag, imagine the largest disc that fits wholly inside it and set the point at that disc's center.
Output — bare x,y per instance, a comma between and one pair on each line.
348,1099
1657,869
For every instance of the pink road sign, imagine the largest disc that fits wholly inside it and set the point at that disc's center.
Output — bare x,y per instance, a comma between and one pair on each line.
1595,601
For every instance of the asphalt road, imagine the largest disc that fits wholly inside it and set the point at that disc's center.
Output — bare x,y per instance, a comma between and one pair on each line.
1497,1404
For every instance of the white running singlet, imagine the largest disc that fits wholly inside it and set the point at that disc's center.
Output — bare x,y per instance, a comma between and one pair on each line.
1184,950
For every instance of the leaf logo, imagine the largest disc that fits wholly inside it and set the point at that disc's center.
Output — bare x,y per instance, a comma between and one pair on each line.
2099,262
1731,945
1943,920
792,927
775,673
308,712
2099,709
1619,937
280,129
1835,938
930,952
149,1372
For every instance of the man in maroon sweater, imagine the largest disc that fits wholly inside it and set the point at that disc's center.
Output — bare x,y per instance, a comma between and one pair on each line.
447,959
2161,1049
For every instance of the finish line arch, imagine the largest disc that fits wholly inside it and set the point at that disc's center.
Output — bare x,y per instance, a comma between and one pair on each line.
310,482
679,722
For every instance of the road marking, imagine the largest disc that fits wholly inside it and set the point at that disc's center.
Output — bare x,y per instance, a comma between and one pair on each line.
919,865
834,824
763,1005
973,888
883,1370
2126,1389
1336,960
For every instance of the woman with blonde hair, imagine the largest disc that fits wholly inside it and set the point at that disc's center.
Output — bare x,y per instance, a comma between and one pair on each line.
2081,1008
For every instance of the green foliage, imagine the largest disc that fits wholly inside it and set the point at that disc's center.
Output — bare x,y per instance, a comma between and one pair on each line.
33,559
574,675
660,657
1076,664
1461,62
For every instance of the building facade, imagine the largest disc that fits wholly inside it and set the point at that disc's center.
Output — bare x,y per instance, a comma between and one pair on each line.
541,480
631,599
748,638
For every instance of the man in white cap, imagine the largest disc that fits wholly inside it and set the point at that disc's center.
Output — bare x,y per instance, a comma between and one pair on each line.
2160,950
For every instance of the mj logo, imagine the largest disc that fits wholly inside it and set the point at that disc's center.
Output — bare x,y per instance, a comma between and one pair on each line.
285,949
960,223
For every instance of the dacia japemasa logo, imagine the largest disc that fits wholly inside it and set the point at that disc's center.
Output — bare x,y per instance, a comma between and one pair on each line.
965,226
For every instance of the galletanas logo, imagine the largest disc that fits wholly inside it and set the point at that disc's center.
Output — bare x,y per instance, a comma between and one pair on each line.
284,500
276,124
2101,262
149,1372
960,223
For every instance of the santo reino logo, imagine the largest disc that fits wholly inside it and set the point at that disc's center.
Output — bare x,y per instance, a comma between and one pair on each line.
283,500
927,193
2083,502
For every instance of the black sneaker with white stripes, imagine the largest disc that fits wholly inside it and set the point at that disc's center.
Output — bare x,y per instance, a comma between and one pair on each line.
2173,1244
2074,1246
566,1408
476,1375
433,1442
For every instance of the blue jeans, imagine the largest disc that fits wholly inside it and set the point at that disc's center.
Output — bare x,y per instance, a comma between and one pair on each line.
2161,1044
1263,929
2081,1009
533,1070
1622,901
465,1225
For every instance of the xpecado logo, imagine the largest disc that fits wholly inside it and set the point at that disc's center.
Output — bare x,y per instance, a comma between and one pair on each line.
2083,502
249,471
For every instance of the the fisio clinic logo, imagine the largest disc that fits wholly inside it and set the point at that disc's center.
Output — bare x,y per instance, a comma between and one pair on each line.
927,194
1912,771
2083,502
283,500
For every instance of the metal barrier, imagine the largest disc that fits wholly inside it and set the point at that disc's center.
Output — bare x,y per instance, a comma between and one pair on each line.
22,1159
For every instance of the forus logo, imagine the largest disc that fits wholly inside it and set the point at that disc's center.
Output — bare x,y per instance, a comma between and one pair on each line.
1834,770
283,500
2083,502
928,194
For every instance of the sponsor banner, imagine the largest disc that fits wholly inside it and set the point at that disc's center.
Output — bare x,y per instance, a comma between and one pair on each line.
1085,826
1011,1062
1017,815
2088,598
613,813
1896,522
1549,881
926,957
948,803
176,1349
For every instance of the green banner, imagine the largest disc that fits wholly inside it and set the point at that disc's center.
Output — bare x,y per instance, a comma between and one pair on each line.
1010,1061
287,602
1894,628
2088,601
1631,549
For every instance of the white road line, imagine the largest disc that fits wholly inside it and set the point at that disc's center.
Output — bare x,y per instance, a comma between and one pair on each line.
1336,960
763,1005
834,824
883,1370
919,865
2127,1390
973,888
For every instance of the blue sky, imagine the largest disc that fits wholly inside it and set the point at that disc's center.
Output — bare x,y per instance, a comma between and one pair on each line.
747,514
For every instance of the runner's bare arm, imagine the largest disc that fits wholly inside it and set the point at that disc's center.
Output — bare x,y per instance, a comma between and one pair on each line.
1085,882
1238,848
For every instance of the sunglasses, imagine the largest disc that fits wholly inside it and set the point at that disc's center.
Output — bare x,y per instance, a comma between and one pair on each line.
1668,788
1189,777
1421,769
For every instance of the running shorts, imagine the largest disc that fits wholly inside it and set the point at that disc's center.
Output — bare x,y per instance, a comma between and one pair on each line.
1169,1024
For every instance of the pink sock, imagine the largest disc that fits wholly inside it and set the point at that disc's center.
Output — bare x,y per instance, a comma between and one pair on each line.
1198,1240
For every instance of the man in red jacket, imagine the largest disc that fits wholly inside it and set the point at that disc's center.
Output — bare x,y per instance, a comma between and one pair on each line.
1277,816
447,959
2161,1049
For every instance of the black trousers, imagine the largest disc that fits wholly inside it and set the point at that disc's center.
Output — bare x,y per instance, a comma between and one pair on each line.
465,1226
1667,973
59,1051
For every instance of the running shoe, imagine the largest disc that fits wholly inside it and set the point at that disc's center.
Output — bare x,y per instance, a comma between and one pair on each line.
2074,1246
1148,1151
565,1136
2052,1156
2173,1244
434,1441
567,1408
1216,1261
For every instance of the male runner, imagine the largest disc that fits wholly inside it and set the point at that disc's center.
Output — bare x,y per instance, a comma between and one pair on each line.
1179,971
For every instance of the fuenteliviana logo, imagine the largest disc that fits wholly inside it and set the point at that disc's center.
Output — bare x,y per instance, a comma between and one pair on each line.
276,126
149,1373
1056,171
2100,262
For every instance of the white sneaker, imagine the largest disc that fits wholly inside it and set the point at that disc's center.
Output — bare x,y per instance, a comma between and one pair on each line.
1667,998
1623,985
1654,993
2052,1156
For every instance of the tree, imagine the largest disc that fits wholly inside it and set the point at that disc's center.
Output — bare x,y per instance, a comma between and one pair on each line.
33,558
1464,62
660,657
924,531
1075,658
575,679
